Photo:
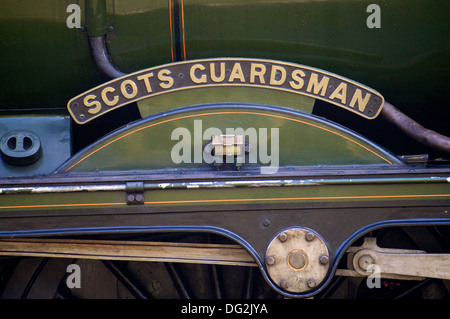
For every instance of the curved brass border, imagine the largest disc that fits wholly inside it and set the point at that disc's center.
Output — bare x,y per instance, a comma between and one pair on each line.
221,113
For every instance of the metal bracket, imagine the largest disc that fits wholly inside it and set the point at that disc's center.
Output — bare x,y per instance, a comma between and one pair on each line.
135,193
229,148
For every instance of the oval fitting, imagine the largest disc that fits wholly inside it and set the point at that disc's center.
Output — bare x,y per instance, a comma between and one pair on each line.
20,147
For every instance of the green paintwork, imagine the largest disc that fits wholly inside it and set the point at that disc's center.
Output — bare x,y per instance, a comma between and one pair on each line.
141,37
238,95
404,59
96,17
44,63
302,195
354,186
303,141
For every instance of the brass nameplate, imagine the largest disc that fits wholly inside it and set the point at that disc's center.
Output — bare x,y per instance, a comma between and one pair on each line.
294,78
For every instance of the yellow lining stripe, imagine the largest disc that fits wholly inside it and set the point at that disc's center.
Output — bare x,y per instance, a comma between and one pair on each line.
235,200
295,198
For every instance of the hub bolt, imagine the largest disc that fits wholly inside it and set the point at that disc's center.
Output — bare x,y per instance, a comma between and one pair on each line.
283,237
284,284
270,260
311,283
324,259
310,236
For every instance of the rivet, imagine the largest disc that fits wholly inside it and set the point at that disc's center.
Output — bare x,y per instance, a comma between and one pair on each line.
156,285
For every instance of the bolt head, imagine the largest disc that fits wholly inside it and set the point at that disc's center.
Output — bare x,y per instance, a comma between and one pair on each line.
270,260
284,284
311,283
324,259
282,237
310,236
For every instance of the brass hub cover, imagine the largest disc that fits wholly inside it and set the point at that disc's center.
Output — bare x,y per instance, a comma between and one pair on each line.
297,259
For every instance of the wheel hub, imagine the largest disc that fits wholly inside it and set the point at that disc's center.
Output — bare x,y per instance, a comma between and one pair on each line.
297,259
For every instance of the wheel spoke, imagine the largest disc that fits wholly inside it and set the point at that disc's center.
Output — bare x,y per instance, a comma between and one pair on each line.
127,280
179,285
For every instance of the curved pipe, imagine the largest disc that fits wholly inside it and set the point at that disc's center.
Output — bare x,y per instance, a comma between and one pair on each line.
415,130
101,57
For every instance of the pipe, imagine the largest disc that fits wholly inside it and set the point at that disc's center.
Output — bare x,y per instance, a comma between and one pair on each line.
96,17
96,28
223,184
415,130
101,57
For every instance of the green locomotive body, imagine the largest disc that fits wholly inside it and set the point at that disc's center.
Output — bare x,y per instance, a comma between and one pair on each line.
266,130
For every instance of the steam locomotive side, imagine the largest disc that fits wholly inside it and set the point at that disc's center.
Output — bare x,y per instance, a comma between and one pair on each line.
224,149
